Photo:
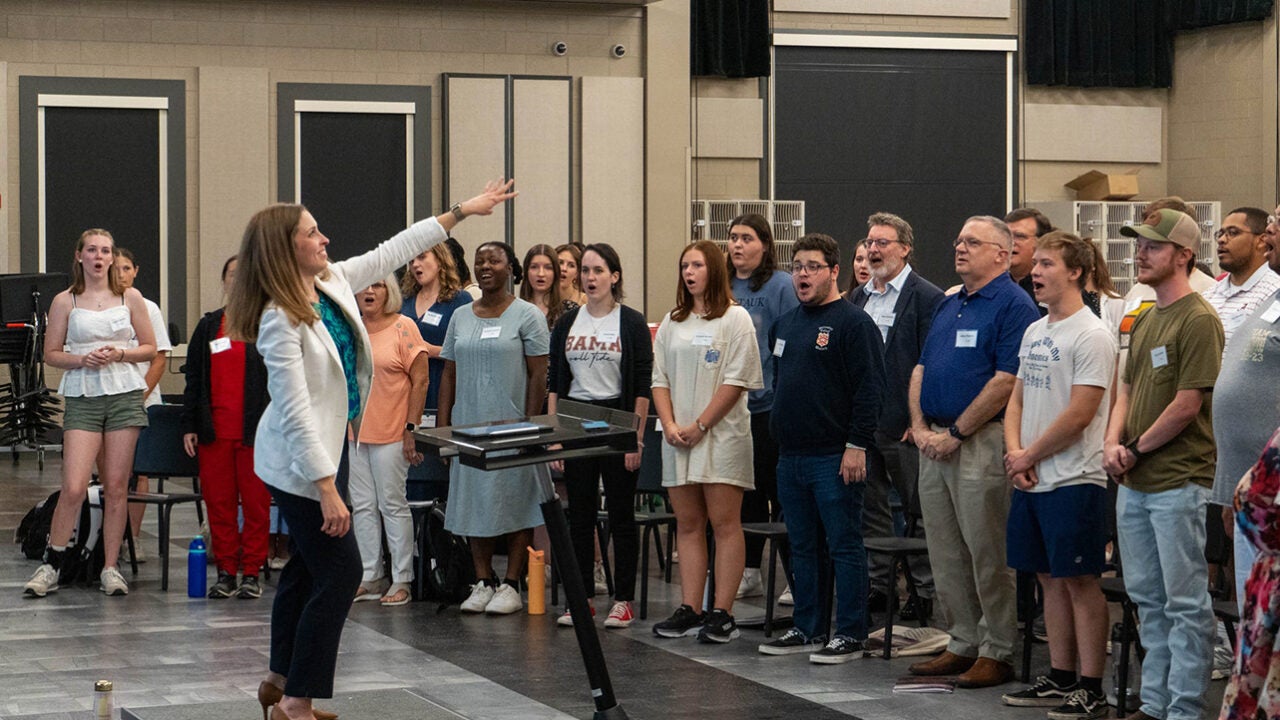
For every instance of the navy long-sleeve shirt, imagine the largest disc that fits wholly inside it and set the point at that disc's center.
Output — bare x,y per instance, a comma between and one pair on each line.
829,379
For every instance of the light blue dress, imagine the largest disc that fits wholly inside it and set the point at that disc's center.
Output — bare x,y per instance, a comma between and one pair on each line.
491,381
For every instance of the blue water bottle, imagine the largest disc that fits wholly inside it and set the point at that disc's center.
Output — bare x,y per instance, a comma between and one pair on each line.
197,568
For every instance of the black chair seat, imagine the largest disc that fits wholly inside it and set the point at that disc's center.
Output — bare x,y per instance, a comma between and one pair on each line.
1113,589
896,545
160,455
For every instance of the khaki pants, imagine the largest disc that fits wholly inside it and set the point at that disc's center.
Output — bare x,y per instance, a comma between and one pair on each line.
965,503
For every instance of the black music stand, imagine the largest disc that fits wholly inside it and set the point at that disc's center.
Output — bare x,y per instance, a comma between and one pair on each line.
573,441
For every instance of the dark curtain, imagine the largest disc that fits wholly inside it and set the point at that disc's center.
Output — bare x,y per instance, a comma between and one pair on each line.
1206,13
1099,43
730,38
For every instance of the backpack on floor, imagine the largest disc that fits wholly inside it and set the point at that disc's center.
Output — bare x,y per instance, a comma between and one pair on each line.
450,573
33,531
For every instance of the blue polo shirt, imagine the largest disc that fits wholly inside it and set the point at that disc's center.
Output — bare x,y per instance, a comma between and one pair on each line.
972,337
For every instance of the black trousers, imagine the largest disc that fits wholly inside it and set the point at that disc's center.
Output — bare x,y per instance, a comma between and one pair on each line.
312,599
582,482
761,504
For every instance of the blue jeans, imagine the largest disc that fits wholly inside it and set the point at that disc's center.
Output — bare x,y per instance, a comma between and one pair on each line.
1162,538
814,498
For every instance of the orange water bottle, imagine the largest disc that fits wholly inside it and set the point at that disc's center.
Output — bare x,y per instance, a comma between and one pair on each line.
537,582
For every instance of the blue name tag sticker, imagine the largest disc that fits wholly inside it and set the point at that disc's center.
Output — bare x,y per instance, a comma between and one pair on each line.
712,356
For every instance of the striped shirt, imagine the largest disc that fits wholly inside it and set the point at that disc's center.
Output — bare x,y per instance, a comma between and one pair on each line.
1234,303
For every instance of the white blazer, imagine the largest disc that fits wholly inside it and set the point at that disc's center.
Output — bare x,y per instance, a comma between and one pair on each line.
304,427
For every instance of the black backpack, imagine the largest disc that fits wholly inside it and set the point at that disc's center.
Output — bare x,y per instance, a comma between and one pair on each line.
85,556
450,573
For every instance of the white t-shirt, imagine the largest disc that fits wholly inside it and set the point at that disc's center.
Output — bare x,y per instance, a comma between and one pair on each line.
692,359
161,329
1079,350
593,350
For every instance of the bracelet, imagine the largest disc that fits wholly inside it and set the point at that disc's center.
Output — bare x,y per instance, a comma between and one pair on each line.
701,428
121,354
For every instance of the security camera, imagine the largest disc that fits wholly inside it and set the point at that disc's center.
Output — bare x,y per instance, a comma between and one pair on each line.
619,51
560,48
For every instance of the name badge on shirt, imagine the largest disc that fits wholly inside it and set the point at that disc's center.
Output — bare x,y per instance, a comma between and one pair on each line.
1272,313
491,332
427,421
121,323
608,338
1159,357
778,346
432,318
222,344
701,338
966,338
887,319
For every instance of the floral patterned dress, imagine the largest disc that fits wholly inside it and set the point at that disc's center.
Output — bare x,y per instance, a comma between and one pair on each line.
1254,690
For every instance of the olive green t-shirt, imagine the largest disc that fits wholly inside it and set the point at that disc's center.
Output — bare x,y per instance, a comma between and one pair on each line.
1178,347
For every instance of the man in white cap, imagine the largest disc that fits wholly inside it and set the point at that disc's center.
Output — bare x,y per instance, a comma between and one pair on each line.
1159,446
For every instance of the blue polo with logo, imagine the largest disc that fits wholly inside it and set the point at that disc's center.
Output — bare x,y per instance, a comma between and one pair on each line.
972,337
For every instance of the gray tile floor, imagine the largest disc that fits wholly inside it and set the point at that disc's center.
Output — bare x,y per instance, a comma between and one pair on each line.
165,650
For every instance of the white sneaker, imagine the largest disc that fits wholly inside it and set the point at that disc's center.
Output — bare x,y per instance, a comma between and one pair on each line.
113,582
43,582
505,601
751,584
481,594
602,585
785,598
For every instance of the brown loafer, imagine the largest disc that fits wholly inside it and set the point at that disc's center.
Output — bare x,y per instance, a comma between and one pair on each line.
948,663
986,673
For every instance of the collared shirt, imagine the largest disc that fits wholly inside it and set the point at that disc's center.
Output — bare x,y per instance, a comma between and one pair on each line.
1234,303
880,305
973,336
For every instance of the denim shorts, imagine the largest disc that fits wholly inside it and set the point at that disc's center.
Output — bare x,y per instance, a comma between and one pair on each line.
1061,533
104,413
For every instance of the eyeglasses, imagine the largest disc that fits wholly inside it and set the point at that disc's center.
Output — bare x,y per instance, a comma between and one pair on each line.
808,268
972,243
878,242
1232,232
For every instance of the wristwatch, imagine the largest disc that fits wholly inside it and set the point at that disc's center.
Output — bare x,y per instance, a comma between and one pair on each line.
456,209
410,427
1132,446
955,433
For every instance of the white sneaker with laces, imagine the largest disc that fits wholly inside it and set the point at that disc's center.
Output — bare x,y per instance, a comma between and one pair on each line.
505,601
43,582
479,599
785,598
113,582
751,585
601,583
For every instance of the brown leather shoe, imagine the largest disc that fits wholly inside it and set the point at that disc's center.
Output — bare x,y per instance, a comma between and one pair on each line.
986,673
948,663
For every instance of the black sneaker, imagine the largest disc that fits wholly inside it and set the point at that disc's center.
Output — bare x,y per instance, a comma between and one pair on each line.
1081,705
224,588
790,643
684,621
719,628
249,588
1045,693
841,649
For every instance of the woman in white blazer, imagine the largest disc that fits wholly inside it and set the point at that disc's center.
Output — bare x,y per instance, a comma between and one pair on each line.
301,311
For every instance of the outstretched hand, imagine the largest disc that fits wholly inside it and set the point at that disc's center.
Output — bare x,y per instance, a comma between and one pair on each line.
495,193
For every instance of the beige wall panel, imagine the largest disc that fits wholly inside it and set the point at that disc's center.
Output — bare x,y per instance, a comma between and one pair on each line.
1221,127
1099,133
928,8
233,172
1045,181
477,151
9,251
540,144
729,128
613,175
666,150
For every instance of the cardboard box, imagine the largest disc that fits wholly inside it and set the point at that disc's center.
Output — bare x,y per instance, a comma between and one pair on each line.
1095,185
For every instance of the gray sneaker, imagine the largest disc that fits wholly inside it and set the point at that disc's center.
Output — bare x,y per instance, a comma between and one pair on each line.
841,649
113,582
43,582
792,642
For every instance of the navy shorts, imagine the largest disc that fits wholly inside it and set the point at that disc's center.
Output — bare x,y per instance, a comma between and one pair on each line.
1061,533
